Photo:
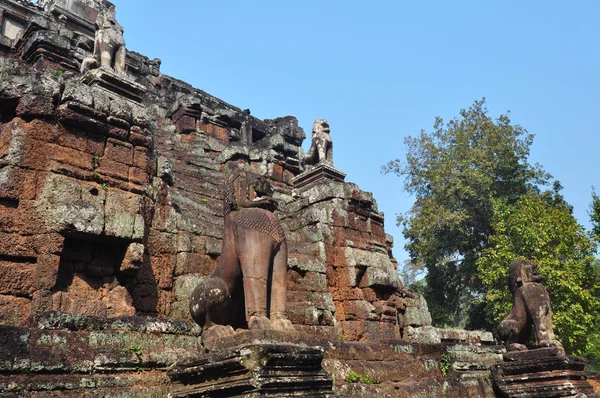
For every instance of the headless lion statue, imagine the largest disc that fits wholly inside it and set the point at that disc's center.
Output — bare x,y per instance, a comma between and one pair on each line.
531,309
253,261
109,45
321,147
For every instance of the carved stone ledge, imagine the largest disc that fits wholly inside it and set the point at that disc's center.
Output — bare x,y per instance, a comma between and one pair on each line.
321,171
542,372
254,365
113,83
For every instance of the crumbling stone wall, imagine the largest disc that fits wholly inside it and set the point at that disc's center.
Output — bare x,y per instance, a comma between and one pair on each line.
114,201
111,206
75,169
113,198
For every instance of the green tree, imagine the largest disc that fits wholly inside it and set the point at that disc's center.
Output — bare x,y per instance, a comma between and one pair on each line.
595,215
456,172
549,235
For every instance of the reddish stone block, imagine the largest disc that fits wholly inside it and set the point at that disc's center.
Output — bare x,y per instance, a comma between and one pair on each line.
186,124
14,310
16,245
378,231
194,263
288,177
120,134
359,309
277,172
81,116
32,184
113,169
339,236
52,243
141,137
35,106
355,330
165,298
90,143
141,158
117,300
188,138
38,154
161,243
119,151
163,268
41,301
310,281
370,294
340,315
357,222
138,176
145,297
220,133
337,257
17,279
47,271
346,293
44,131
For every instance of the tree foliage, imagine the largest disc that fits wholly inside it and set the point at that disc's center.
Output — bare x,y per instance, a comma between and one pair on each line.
547,233
595,215
456,172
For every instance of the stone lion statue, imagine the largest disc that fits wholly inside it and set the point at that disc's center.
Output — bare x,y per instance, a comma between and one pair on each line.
321,147
109,45
531,309
252,268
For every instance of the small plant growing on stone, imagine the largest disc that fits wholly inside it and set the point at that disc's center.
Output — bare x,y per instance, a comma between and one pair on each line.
133,348
354,377
95,162
59,73
444,364
105,186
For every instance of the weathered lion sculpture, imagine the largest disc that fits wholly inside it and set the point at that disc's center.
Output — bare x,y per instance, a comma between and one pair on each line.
531,309
109,45
321,147
253,261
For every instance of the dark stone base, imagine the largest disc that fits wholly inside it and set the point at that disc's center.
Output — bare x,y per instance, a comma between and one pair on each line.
114,83
542,372
255,366
319,172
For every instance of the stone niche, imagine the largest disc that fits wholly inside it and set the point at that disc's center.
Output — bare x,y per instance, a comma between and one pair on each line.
11,27
91,279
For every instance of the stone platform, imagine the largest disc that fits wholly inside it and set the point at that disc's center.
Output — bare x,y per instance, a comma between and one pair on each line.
113,83
542,372
253,364
321,171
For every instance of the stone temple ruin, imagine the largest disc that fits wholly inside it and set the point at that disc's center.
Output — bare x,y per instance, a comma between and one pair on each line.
111,215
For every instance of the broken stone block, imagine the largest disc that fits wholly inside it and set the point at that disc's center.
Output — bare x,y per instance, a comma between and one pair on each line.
70,205
416,312
259,363
542,372
118,301
123,214
134,256
422,335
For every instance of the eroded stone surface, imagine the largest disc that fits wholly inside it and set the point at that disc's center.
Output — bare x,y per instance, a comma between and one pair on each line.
111,205
542,372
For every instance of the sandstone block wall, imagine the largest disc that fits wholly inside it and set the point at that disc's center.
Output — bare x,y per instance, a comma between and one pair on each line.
113,206
111,210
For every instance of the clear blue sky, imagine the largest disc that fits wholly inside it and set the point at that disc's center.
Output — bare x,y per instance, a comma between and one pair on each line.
382,70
